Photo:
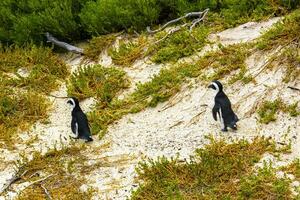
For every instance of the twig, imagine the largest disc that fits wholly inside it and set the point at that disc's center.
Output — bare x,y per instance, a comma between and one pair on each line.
51,95
196,21
191,14
64,45
293,88
12,180
39,180
48,196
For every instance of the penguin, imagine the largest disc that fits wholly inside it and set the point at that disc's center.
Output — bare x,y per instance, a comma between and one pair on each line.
79,124
223,108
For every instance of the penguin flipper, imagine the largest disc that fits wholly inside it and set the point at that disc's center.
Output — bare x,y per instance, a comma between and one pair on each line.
215,110
73,125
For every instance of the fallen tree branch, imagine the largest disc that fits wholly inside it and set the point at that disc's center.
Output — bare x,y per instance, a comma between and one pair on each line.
15,178
200,16
64,45
196,21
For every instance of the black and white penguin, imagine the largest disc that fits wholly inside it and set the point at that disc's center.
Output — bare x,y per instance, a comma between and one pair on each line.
79,124
223,108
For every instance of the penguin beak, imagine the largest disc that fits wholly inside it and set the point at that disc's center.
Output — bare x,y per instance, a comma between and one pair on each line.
211,86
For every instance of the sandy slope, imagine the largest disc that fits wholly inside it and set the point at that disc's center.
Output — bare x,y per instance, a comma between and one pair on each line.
176,126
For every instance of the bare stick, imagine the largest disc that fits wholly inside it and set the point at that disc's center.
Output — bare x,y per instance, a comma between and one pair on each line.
196,21
191,14
64,45
9,182
37,181
48,196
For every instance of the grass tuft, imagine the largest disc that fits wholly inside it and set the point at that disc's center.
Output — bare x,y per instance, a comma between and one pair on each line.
268,110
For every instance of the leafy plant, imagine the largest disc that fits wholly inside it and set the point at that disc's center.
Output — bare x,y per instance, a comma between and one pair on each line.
128,52
217,171
97,81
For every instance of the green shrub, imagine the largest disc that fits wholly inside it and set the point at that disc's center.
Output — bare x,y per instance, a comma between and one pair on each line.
25,21
178,45
128,52
105,16
97,81
283,33
19,111
268,110
96,45
44,68
217,171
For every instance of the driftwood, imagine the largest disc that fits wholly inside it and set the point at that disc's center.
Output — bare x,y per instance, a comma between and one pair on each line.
200,18
64,45
15,178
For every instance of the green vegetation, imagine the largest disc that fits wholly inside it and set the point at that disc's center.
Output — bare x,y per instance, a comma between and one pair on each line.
18,112
178,45
265,185
24,21
268,110
26,73
217,171
64,168
98,44
97,81
286,35
128,52
293,168
283,33
44,68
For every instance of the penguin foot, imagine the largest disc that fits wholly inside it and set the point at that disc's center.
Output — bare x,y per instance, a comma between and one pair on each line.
224,130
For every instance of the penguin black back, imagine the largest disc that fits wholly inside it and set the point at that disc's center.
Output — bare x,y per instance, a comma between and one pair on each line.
223,108
79,124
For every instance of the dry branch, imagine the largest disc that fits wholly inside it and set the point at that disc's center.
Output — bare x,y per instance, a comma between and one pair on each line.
38,181
48,196
10,181
64,45
200,16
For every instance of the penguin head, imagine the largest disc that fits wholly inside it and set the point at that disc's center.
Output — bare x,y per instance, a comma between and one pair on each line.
73,101
216,85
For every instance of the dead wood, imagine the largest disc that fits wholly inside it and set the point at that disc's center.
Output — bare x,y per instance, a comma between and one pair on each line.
64,45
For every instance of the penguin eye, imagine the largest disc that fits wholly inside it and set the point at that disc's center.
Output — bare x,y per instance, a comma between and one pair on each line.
70,102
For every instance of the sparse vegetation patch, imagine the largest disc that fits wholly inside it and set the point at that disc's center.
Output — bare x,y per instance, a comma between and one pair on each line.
217,171
42,67
268,110
98,44
178,45
62,169
128,52
97,81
